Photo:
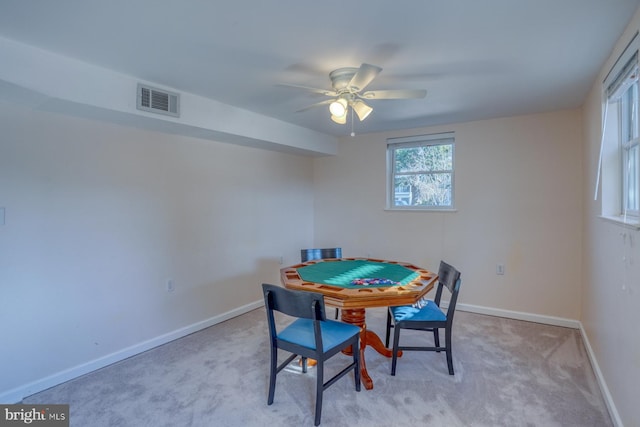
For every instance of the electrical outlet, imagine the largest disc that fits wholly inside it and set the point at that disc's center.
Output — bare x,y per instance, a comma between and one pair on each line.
170,286
500,269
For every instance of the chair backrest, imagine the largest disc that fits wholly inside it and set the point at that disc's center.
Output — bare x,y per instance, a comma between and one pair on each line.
301,304
311,254
448,277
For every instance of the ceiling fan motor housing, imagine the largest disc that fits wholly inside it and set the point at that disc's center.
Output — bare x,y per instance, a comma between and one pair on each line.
341,78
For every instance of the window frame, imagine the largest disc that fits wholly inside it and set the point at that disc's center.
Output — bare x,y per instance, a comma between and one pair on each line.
621,136
445,138
628,104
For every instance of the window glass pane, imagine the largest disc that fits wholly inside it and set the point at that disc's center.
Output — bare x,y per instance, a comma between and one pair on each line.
632,202
432,189
633,113
424,158
629,115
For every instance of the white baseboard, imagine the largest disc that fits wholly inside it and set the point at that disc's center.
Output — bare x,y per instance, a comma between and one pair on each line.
613,411
17,394
555,321
519,315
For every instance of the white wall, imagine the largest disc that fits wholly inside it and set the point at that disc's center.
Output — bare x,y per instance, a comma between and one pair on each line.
518,200
98,217
611,291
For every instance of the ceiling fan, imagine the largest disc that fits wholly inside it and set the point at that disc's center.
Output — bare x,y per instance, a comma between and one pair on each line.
348,91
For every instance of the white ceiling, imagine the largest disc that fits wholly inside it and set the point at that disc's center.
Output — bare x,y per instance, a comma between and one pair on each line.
477,59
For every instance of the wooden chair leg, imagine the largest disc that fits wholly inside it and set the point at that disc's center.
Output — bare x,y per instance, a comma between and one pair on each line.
319,389
272,375
386,339
356,370
394,357
447,337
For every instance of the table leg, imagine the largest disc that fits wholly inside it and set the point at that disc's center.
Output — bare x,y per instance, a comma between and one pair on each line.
356,316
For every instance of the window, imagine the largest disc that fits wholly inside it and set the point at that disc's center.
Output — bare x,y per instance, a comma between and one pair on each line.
420,172
621,136
628,113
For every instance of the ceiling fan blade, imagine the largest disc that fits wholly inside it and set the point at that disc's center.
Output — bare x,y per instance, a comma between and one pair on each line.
361,109
394,94
312,89
365,75
317,104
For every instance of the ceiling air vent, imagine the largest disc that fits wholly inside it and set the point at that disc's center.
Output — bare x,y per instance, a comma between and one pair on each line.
158,101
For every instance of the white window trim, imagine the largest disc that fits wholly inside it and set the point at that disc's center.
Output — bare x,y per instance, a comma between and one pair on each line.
413,141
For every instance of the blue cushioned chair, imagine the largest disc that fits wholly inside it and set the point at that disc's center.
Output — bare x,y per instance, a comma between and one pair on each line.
311,335
311,254
427,317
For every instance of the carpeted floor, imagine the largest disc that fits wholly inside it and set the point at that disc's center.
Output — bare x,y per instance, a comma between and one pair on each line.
508,373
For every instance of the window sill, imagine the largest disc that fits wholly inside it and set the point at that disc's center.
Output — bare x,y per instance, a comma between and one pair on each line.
420,210
632,223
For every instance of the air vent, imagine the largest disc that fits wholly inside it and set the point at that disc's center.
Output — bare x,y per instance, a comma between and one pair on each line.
158,101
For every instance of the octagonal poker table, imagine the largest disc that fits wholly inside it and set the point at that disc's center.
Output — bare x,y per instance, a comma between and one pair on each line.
354,284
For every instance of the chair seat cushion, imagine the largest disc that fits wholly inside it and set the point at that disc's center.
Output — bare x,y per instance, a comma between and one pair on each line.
333,333
430,312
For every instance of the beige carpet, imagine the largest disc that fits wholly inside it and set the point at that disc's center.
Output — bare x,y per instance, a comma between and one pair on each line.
508,373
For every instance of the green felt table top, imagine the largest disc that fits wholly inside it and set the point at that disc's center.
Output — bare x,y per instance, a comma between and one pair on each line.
342,273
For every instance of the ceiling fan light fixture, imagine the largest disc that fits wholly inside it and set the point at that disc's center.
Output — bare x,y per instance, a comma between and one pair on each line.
338,108
341,120
361,109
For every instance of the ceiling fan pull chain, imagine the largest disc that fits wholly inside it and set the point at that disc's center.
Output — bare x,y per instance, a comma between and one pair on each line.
352,132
